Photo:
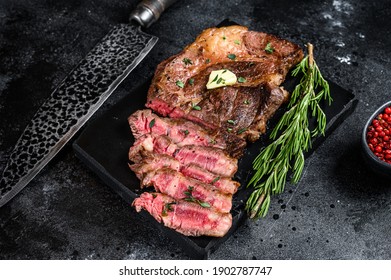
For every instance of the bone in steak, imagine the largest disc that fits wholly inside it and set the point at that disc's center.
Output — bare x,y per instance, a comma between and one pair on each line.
263,60
185,217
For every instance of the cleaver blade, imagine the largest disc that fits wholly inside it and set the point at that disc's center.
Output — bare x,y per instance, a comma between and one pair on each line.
79,96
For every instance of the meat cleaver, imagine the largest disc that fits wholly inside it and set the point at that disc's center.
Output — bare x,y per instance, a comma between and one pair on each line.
79,95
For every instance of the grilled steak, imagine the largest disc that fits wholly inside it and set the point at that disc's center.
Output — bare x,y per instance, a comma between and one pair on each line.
263,60
188,151
212,159
188,218
176,185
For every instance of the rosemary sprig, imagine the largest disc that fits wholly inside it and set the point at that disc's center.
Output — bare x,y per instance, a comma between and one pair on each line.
291,138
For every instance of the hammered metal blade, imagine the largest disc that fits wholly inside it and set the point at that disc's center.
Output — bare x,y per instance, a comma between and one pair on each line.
73,102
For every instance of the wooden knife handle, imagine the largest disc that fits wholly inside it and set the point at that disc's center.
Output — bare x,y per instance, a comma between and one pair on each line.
149,11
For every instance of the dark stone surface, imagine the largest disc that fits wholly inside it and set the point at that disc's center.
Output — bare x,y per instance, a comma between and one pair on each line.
339,210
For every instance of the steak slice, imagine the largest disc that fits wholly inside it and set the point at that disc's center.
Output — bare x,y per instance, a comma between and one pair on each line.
261,60
176,185
188,218
151,162
184,132
212,159
224,184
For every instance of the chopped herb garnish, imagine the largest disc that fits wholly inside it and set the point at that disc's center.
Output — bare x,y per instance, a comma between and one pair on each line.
251,64
269,48
213,141
224,37
180,84
186,132
191,81
207,60
229,129
187,61
231,121
220,80
242,80
152,123
189,197
168,208
225,70
196,107
240,131
215,78
231,56
203,204
237,42
215,180
246,102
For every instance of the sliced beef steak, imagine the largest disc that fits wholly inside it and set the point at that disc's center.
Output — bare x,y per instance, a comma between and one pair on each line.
224,184
212,159
188,151
261,60
151,162
176,185
188,218
184,132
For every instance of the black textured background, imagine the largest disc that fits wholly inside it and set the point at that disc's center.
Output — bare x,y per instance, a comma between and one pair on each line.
339,210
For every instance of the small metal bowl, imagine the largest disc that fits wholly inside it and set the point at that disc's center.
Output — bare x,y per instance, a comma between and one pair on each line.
378,166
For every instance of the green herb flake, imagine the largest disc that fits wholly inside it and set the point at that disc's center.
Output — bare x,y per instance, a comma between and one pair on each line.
237,42
229,129
152,123
191,81
215,79
240,131
180,84
219,80
207,61
203,204
186,132
231,121
246,102
196,107
269,48
231,56
167,208
242,80
224,38
215,180
187,61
